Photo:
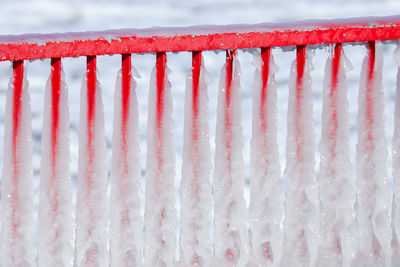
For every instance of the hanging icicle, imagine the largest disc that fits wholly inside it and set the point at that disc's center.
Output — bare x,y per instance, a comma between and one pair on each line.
91,204
373,195
160,212
55,201
230,231
196,198
17,248
301,217
126,224
337,227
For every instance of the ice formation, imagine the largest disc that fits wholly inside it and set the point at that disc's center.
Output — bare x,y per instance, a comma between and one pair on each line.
230,230
396,168
17,248
195,243
373,195
55,200
337,227
160,213
126,224
301,217
91,203
266,207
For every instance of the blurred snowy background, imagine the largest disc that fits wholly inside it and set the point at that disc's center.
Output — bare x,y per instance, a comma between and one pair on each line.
47,16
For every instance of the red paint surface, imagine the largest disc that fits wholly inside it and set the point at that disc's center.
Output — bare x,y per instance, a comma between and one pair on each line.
189,38
300,65
18,73
370,95
230,56
265,66
91,121
335,67
126,72
55,116
196,68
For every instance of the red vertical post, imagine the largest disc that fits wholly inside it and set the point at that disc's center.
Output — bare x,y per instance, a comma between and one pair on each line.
91,112
18,73
126,72
55,115
370,94
265,67
300,65
161,65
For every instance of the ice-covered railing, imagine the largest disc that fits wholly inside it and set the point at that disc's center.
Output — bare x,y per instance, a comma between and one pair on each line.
324,223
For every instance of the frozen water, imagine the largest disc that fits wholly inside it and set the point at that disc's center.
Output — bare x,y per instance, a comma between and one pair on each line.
196,201
160,213
55,205
126,223
16,238
301,218
266,206
91,203
373,194
337,227
230,229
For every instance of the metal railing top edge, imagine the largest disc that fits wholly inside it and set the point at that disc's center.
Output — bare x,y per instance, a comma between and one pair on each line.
198,38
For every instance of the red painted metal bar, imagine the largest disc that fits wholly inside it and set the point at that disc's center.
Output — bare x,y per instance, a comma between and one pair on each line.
18,72
337,52
265,66
198,38
300,66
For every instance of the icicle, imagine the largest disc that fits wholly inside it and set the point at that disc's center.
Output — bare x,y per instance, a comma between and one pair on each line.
266,195
337,231
230,232
195,186
301,221
126,224
55,201
396,168
17,247
91,216
160,212
196,189
373,196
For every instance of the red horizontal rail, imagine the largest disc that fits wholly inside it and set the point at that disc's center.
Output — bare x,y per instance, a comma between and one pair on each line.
198,38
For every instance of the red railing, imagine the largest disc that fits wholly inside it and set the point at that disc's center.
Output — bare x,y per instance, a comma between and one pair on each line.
161,41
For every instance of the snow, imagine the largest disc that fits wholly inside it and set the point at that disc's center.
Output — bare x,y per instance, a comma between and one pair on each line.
55,226
126,223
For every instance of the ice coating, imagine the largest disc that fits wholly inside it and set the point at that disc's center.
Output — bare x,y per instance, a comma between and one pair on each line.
17,248
230,231
266,201
126,223
337,196
55,200
301,218
196,200
373,194
91,205
396,167
160,212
